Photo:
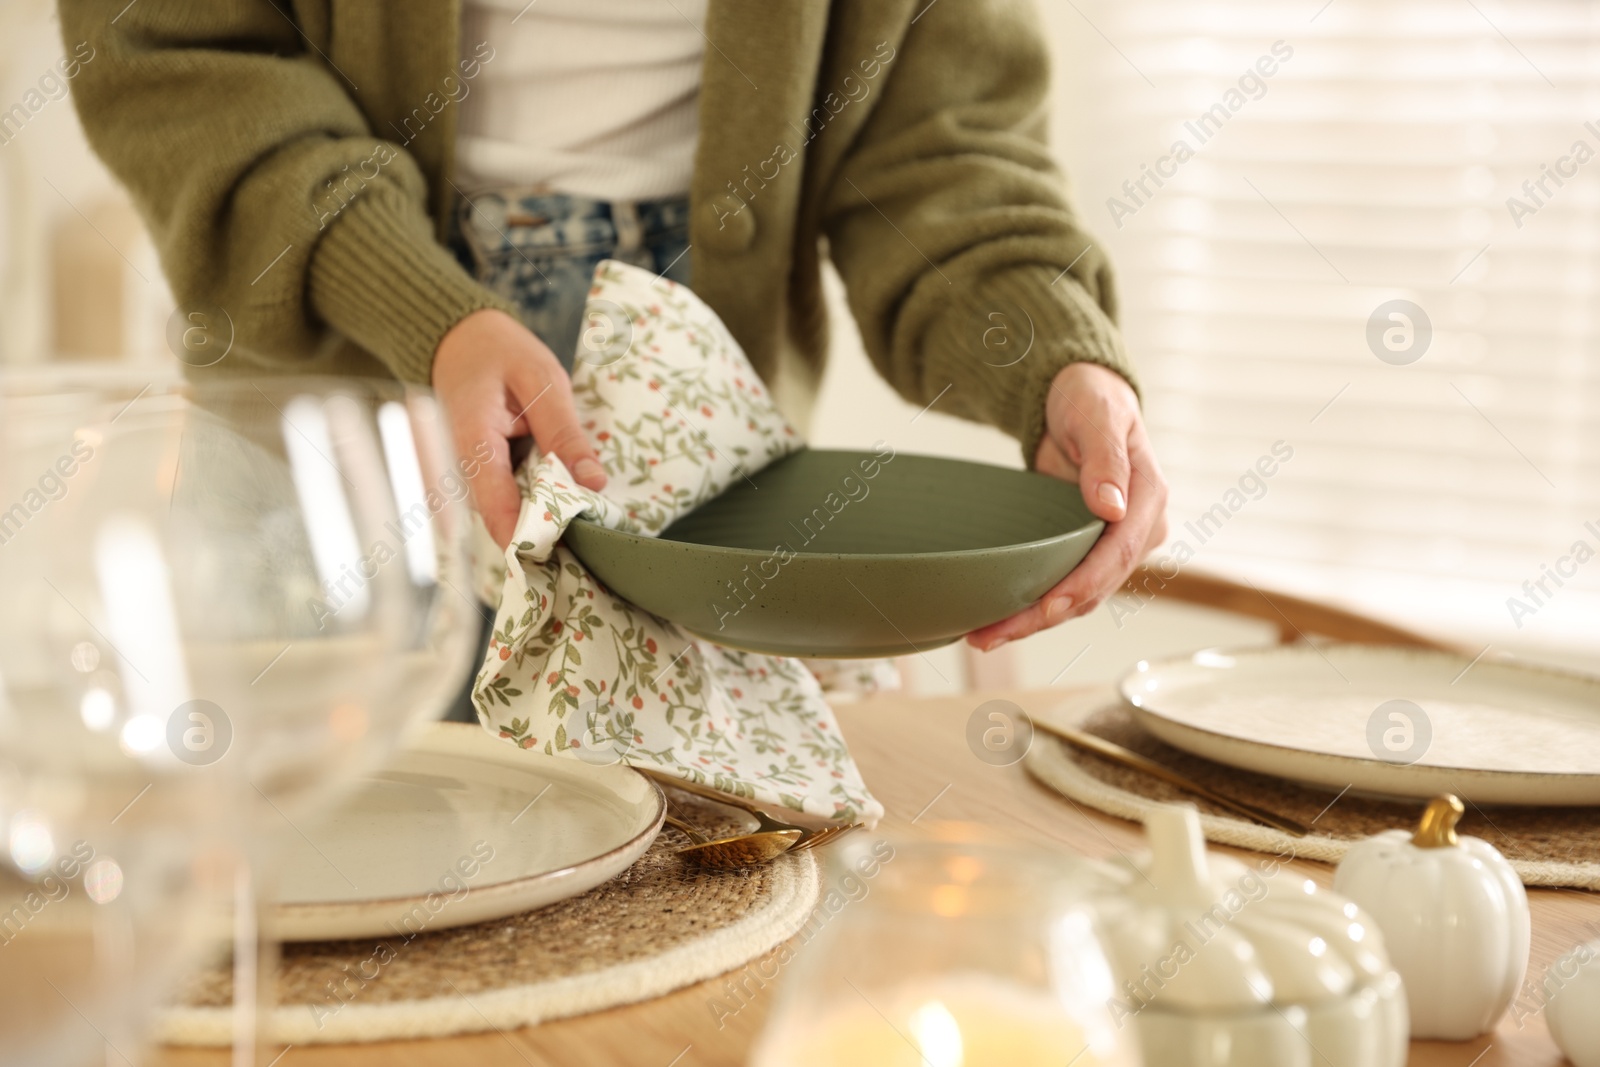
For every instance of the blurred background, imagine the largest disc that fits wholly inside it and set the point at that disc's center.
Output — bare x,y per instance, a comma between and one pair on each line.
1438,460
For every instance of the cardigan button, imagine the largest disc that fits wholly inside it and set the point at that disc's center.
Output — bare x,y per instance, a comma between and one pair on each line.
730,225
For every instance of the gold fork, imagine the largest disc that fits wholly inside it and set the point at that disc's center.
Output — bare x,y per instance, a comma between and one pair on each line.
737,851
809,838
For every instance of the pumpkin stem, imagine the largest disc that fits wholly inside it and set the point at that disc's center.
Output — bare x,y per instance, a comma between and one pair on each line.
1178,862
1437,828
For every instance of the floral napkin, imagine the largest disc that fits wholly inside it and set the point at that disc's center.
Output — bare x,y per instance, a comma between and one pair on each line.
678,414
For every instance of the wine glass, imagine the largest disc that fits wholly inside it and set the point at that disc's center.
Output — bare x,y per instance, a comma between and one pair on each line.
252,586
103,834
104,872
949,951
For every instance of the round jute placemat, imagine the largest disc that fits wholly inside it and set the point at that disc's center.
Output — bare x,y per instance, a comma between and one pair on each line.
1546,846
658,926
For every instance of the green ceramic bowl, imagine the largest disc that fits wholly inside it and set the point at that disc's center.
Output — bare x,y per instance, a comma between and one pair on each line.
851,554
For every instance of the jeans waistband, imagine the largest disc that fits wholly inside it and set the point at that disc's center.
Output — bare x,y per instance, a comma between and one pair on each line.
538,220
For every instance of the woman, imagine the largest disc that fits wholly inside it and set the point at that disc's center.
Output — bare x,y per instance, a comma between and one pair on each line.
417,190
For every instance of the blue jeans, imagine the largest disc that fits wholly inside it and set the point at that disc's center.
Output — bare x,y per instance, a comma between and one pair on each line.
539,251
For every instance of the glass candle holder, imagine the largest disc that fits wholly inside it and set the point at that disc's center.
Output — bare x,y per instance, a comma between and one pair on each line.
961,953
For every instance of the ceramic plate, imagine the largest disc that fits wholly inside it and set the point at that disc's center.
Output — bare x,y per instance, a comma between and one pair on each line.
461,828
1384,720
851,554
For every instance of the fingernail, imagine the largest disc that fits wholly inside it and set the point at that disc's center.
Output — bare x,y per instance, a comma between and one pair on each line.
1057,608
588,470
1111,496
992,645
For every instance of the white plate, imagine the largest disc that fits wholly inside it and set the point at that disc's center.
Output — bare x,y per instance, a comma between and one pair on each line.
1378,719
461,828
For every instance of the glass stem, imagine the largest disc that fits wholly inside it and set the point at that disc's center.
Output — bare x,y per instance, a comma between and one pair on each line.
255,964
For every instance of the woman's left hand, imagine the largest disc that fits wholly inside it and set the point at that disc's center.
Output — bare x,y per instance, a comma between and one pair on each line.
1094,436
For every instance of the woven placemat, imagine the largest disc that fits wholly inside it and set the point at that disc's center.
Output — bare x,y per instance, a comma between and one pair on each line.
1546,846
658,926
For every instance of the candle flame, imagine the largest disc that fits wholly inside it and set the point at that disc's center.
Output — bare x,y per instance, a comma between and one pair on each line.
938,1035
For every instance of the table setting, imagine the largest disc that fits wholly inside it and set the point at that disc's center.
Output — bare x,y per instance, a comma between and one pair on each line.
237,830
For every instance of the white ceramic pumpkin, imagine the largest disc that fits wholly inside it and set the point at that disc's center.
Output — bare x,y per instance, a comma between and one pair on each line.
1573,1012
1454,915
1220,963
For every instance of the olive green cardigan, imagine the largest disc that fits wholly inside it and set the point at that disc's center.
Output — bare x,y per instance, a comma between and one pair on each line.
293,160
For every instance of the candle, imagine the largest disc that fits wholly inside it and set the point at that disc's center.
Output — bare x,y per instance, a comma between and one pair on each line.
957,1021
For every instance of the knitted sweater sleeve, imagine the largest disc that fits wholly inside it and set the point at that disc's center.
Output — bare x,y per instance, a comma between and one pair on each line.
963,260
265,190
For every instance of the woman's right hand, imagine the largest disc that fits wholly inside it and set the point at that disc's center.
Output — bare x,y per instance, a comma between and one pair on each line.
498,381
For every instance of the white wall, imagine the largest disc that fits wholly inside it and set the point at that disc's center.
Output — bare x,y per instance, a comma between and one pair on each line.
54,192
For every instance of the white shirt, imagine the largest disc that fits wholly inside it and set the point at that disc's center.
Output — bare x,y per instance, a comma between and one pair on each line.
593,98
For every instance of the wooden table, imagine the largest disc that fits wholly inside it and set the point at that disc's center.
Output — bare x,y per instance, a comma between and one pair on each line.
913,752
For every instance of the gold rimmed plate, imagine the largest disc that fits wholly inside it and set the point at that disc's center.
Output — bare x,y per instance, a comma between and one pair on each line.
1387,720
461,828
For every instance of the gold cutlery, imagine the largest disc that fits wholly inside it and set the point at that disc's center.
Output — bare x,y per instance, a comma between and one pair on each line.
826,834
765,823
740,850
1128,758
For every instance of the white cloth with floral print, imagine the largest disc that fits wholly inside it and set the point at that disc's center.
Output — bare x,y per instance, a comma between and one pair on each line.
574,670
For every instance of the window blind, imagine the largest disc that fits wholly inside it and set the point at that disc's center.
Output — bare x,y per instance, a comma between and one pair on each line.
1364,233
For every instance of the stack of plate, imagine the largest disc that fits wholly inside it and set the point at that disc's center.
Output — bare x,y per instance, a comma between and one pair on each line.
1390,721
